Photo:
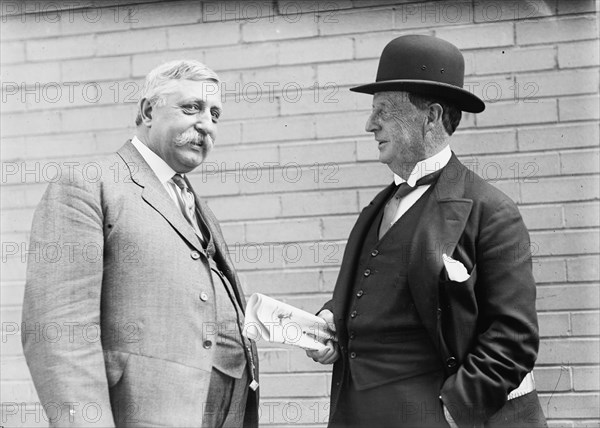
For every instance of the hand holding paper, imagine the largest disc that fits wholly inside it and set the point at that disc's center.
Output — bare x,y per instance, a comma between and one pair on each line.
330,354
279,322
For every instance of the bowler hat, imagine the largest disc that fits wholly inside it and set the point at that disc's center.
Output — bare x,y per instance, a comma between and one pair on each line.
424,65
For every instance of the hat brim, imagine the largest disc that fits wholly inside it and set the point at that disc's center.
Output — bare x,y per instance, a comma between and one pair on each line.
461,98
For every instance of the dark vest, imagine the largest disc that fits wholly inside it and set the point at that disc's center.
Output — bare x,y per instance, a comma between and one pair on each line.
386,338
229,357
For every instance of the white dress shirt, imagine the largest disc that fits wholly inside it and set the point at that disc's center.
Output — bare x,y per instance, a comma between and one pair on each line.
164,173
162,170
421,169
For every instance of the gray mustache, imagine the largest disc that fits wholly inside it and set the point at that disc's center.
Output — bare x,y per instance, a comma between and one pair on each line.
190,137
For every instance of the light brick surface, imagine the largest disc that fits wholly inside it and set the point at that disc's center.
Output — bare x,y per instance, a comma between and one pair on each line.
515,59
479,36
556,30
586,378
289,176
569,54
579,108
12,52
325,49
203,35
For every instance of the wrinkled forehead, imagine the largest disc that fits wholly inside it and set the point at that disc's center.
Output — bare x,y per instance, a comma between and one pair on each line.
392,99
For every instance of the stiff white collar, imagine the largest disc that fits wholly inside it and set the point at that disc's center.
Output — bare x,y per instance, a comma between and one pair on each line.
426,167
162,170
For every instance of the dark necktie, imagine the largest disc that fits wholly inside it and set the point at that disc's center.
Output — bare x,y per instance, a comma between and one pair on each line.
391,207
187,203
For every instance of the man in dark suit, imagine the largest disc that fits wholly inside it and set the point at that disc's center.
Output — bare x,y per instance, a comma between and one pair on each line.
147,299
434,306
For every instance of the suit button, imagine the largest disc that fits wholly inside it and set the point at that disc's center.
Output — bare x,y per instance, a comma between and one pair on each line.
203,297
353,314
451,362
360,293
352,355
207,344
374,253
367,272
352,335
195,255
439,312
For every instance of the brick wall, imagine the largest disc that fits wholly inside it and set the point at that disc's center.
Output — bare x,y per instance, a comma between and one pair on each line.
294,166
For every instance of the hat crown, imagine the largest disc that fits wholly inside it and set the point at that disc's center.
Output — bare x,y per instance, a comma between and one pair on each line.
427,66
420,57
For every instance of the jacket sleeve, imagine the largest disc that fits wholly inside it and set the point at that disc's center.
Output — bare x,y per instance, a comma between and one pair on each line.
61,310
328,305
505,347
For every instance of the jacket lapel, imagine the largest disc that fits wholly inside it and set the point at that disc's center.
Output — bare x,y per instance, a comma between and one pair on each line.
155,194
443,221
221,251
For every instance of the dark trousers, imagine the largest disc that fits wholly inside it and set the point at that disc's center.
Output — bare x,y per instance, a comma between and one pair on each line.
412,402
226,402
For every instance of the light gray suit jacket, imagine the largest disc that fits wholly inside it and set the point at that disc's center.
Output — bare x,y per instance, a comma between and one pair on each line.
130,295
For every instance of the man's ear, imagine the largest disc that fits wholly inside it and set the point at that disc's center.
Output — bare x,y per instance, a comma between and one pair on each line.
146,111
434,113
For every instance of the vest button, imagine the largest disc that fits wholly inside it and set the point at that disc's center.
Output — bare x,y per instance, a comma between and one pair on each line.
353,314
374,253
451,362
439,312
207,344
352,336
203,297
352,355
367,272
195,255
360,293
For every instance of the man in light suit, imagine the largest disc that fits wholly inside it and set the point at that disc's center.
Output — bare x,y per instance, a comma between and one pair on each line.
145,295
434,306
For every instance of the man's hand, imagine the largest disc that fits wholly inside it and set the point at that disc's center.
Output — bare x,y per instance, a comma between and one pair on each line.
331,353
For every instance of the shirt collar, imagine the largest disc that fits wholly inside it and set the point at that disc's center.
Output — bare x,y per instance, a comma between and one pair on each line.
426,167
162,170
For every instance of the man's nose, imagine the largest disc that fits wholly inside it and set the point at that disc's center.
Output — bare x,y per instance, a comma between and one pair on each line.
371,125
204,123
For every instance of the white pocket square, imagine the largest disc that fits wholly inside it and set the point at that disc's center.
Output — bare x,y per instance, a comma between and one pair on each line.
456,270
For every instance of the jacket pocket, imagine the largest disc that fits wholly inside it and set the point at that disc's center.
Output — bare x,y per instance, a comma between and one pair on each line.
456,287
115,363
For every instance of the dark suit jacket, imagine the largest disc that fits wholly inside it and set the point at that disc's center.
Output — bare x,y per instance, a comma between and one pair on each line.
484,329
133,299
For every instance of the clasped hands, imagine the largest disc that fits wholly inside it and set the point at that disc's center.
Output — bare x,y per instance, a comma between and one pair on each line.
331,353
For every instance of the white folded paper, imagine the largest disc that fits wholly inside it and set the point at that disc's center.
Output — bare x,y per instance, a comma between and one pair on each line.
278,322
456,270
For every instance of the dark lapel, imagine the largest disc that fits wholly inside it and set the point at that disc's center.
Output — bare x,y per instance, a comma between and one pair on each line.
354,246
221,251
155,194
443,220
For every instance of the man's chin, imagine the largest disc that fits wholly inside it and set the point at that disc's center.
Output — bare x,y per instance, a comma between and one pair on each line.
383,158
191,163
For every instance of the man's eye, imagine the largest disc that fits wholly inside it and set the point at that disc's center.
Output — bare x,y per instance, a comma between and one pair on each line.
382,114
190,108
215,114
